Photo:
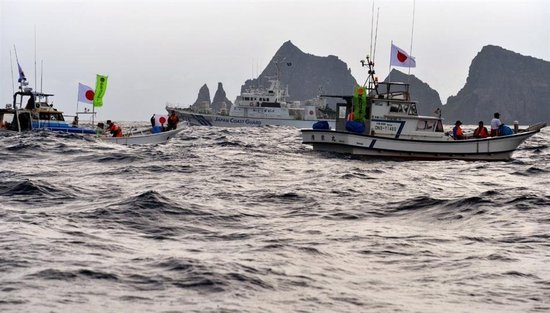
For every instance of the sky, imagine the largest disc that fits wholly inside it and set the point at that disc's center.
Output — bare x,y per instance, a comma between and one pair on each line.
160,51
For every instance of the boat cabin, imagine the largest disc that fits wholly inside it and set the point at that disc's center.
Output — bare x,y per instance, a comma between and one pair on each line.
389,112
271,104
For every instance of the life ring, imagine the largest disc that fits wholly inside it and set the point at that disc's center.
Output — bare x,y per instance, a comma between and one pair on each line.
251,104
310,112
37,105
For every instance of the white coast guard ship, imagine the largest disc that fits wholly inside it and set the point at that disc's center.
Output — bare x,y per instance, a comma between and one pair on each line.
262,107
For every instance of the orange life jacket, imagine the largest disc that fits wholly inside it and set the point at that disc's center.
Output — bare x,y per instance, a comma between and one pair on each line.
173,119
115,130
481,132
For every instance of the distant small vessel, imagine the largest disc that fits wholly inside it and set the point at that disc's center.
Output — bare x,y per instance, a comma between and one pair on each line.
381,121
261,107
31,110
143,137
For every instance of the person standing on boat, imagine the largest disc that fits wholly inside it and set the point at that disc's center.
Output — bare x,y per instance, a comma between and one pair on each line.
75,121
173,121
153,121
457,131
481,131
495,125
114,129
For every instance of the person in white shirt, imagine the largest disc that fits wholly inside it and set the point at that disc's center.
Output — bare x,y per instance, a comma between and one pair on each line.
495,125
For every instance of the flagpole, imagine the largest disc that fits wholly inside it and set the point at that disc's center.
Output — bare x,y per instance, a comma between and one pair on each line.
77,98
389,75
11,68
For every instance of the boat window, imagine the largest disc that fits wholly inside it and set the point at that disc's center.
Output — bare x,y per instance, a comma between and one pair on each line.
426,125
421,125
413,111
394,107
430,125
439,127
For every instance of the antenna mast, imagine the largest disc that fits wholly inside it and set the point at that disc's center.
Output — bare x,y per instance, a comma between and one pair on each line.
371,27
412,33
376,33
11,68
35,84
41,74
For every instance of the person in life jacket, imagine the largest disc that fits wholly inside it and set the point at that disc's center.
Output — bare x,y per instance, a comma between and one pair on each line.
457,131
481,131
114,129
173,121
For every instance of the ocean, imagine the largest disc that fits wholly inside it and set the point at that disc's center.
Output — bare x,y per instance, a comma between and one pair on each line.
252,220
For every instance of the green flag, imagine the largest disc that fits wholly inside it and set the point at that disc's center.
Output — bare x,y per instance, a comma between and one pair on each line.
359,104
100,87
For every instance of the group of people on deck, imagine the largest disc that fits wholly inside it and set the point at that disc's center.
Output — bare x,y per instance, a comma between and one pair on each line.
481,131
116,131
172,121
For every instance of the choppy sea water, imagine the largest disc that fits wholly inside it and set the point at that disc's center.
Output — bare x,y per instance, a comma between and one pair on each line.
251,220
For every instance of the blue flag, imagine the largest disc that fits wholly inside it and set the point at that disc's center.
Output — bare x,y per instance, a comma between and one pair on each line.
22,77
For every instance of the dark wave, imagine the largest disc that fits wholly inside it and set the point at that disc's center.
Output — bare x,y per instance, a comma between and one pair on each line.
192,274
55,274
415,204
29,191
150,214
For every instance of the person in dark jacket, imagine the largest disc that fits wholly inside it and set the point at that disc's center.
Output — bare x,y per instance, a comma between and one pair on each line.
173,121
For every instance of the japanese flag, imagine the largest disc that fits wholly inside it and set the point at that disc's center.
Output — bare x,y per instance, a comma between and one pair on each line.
400,58
85,93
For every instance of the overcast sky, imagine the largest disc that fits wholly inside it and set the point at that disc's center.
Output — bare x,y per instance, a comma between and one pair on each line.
163,51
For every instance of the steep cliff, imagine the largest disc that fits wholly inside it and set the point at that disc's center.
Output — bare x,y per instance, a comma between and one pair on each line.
306,75
219,99
202,98
499,80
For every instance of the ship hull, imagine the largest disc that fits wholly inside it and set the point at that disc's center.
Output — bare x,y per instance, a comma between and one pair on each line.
195,119
489,149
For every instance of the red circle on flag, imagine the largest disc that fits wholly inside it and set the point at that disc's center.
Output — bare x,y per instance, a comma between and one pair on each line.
162,120
401,57
89,95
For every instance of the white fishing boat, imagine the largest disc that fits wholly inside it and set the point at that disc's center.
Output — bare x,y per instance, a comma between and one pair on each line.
143,137
390,127
262,107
